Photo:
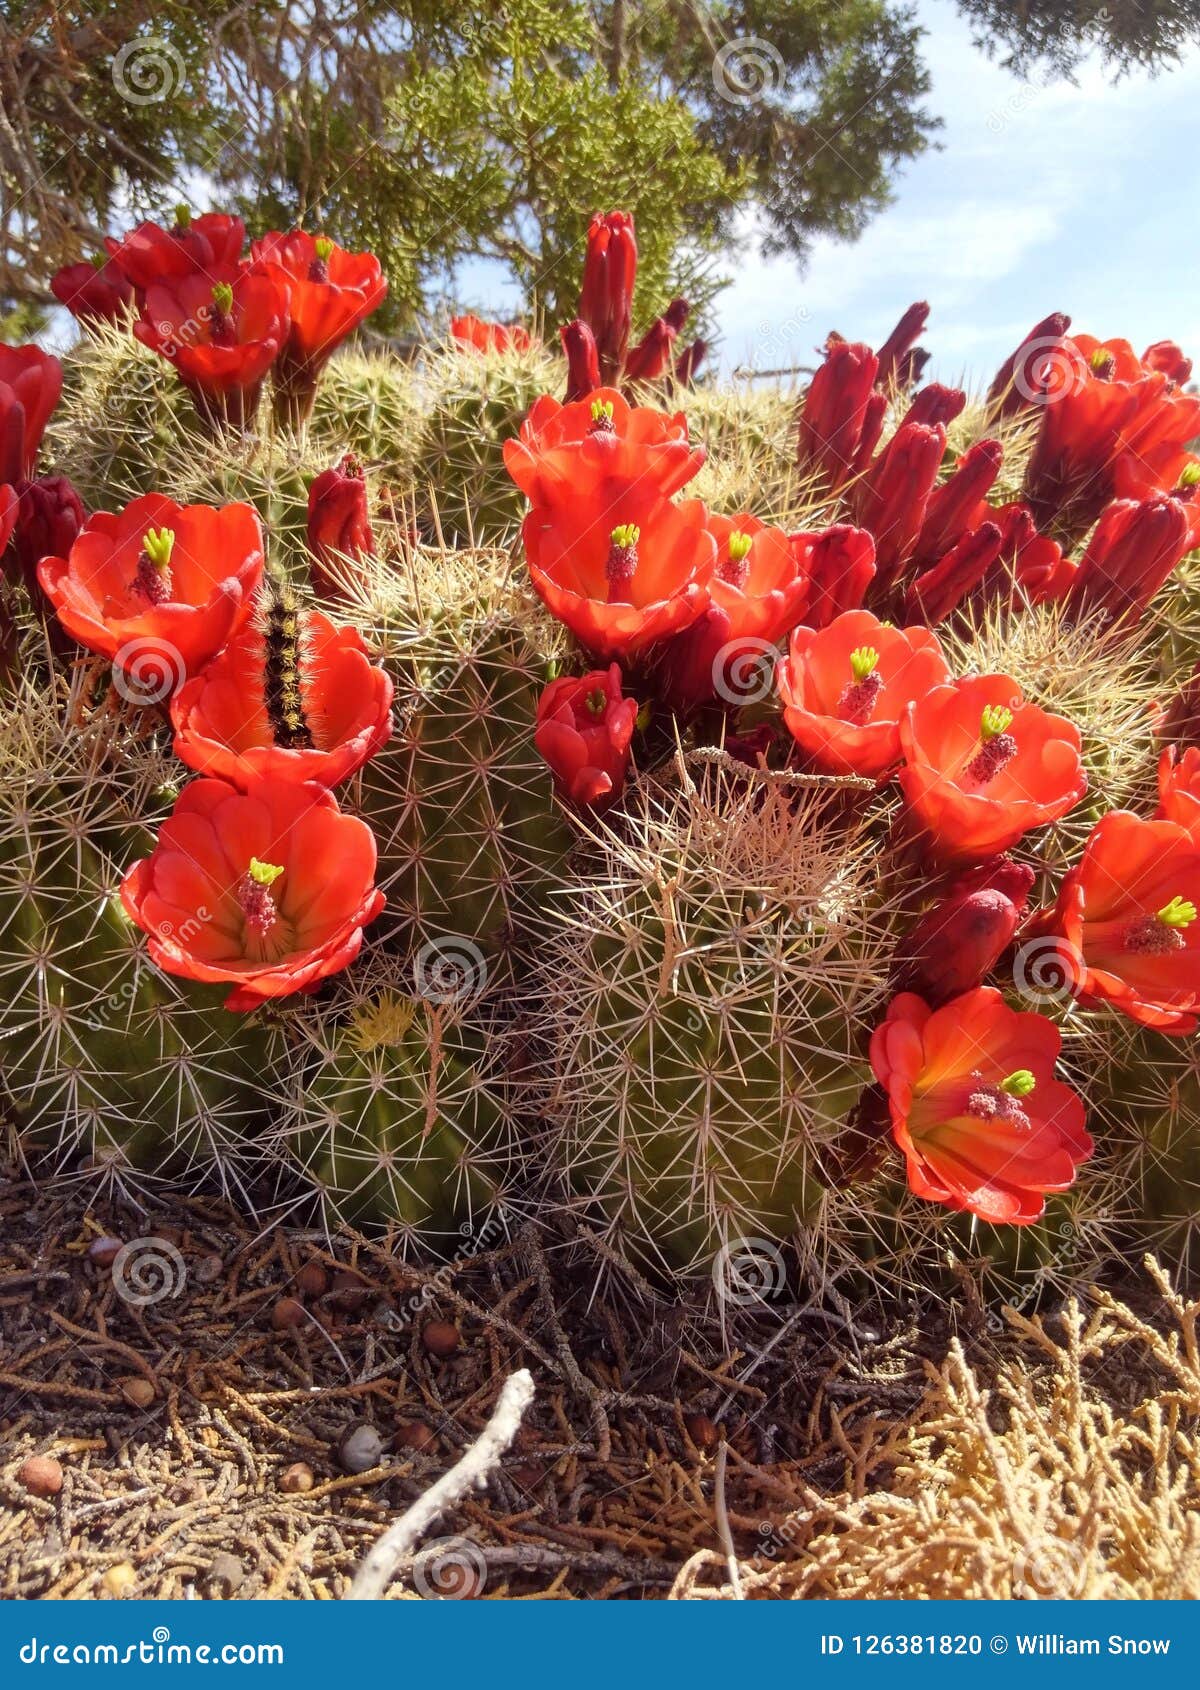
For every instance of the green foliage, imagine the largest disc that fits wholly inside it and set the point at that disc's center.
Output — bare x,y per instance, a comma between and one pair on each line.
1059,34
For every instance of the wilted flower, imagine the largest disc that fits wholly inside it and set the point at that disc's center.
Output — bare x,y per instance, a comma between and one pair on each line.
976,1107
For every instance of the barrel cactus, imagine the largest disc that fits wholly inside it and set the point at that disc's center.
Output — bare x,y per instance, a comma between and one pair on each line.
112,1071
704,996
390,1110
469,830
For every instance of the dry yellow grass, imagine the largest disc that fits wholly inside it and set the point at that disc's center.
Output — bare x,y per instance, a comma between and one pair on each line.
1077,1474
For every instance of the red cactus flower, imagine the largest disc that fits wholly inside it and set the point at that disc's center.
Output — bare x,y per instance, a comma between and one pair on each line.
935,404
758,594
210,246
838,413
896,366
845,688
222,338
1036,371
651,358
583,361
1179,788
606,298
957,943
584,729
329,292
1133,550
339,530
98,291
841,566
227,724
476,335
30,388
50,515
976,1108
982,767
960,503
598,449
1165,356
1124,923
9,505
891,499
267,891
158,587
962,571
1114,428
622,574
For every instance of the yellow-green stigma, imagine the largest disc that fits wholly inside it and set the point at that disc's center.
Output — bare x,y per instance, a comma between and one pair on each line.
1180,912
1019,1083
622,561
602,417
222,298
152,578
158,544
735,568
996,719
863,662
264,874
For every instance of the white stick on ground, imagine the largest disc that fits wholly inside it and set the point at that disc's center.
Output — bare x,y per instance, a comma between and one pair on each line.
472,1469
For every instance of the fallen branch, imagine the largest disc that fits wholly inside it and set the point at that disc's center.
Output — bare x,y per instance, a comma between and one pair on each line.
470,1472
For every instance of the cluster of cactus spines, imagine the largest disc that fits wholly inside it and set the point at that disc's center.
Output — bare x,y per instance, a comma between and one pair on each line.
750,437
1142,1089
470,834
386,1108
471,403
112,1071
702,997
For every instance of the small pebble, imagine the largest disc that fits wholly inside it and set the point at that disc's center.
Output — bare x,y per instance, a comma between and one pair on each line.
225,1574
298,1477
137,1391
349,1294
119,1580
441,1338
208,1269
312,1279
104,1251
41,1475
415,1434
361,1449
703,1432
286,1314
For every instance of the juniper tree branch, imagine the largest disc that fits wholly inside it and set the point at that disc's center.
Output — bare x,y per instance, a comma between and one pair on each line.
472,1470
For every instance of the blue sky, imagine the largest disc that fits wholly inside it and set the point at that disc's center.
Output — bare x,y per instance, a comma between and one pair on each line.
1044,197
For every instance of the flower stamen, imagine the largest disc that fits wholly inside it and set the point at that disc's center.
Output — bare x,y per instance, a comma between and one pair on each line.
153,578
1157,933
997,747
622,562
736,567
858,696
254,895
602,417
318,270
